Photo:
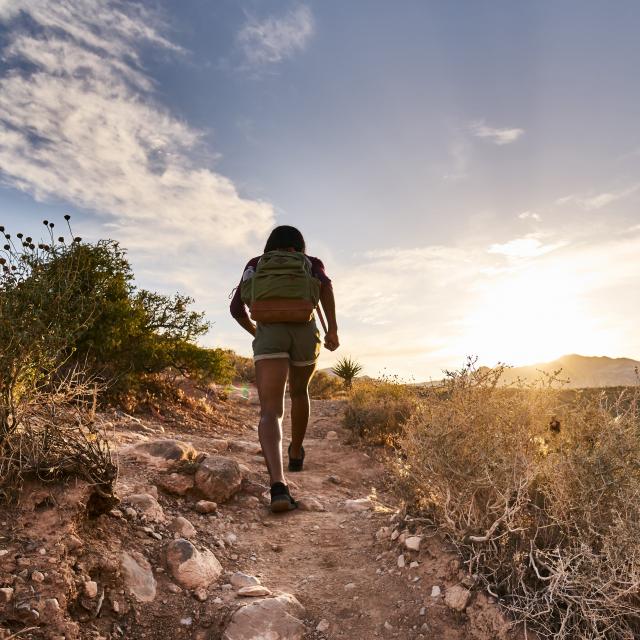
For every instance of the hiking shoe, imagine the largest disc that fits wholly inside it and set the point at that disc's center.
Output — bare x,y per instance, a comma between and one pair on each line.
281,499
295,464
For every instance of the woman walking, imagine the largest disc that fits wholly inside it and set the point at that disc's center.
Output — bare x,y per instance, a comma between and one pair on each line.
284,349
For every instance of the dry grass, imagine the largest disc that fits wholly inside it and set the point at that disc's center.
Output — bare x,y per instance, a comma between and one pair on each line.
378,409
539,493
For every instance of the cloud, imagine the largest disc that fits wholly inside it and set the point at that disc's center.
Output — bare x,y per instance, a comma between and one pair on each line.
277,38
597,201
79,122
526,215
529,247
497,136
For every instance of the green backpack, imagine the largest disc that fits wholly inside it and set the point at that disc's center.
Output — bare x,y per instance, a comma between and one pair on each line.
282,289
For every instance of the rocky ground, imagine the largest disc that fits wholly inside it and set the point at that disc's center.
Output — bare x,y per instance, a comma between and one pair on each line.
192,550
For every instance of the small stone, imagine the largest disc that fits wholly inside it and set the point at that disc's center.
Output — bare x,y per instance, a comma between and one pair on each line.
335,479
414,564
6,594
218,478
173,588
412,543
388,626
231,538
239,580
42,551
147,505
201,594
254,591
186,622
457,598
382,533
51,606
323,626
309,503
182,528
401,561
206,506
37,576
423,611
3,552
359,504
138,576
395,534
131,513
435,591
90,589
332,435
350,586
192,568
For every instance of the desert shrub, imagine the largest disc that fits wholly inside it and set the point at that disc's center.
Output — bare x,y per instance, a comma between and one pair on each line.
377,409
539,496
347,369
243,368
46,404
324,386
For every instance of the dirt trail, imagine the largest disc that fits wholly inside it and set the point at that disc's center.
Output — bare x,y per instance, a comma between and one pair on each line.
342,566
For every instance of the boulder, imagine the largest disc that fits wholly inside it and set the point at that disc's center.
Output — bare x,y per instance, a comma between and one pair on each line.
276,618
146,505
177,484
162,454
191,569
218,478
138,576
182,527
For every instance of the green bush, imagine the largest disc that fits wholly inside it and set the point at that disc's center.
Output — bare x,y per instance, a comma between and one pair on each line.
324,386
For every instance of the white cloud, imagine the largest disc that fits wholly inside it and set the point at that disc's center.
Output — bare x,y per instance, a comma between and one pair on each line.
276,38
529,215
79,123
529,247
599,200
497,136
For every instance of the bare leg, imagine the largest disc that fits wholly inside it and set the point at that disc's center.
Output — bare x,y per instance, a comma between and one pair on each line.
299,378
271,378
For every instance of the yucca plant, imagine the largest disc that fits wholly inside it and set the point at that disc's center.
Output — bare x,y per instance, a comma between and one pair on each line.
347,369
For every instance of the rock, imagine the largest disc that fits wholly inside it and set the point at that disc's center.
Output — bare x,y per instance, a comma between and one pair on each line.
51,606
414,565
176,483
254,591
205,506
332,435
182,527
395,534
323,626
147,506
6,594
276,618
37,576
457,598
90,589
201,594
388,626
335,479
218,478
401,562
73,543
309,503
191,568
230,538
436,591
162,454
239,580
412,543
382,533
360,504
138,576
350,586
252,448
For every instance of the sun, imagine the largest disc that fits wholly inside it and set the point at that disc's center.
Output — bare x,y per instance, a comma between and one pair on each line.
533,315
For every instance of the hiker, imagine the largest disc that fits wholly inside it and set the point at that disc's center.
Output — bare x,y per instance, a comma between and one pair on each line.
282,288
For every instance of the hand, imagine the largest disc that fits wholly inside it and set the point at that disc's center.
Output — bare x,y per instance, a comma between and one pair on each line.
331,341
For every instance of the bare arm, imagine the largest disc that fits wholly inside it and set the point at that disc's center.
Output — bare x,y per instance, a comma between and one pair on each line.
327,299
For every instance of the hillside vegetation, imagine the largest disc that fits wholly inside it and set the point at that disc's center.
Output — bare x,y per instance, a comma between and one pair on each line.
538,489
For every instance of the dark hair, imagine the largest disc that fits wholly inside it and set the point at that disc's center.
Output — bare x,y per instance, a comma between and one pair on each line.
283,237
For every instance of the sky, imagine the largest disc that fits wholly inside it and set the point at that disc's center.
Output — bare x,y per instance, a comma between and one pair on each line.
468,172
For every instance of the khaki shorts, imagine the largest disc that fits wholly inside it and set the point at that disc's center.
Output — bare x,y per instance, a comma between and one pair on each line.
300,342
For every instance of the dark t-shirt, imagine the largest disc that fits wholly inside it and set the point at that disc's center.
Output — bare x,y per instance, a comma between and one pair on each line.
237,307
